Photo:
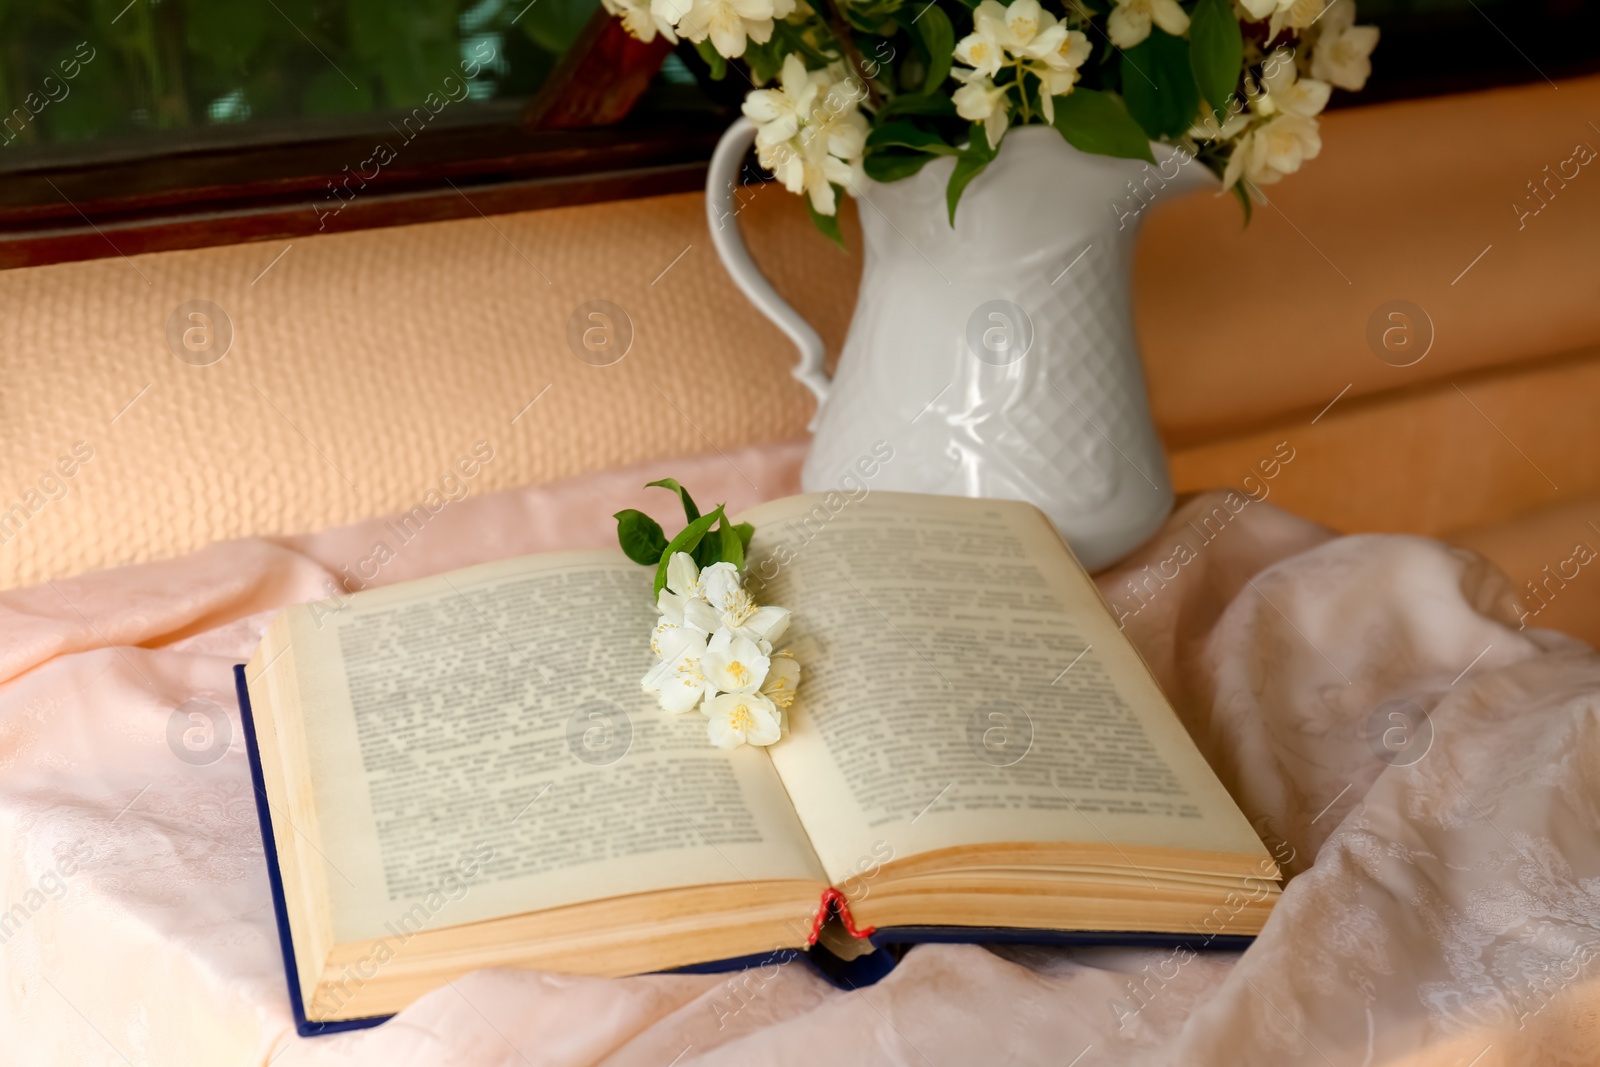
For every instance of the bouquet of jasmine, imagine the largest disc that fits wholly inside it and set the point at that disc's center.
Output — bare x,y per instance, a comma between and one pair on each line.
714,643
878,88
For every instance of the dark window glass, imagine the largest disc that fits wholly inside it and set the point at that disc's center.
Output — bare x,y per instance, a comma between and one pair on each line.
1430,47
98,79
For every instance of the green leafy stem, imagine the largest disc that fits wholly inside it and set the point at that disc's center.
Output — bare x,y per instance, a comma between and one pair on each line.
708,538
1124,100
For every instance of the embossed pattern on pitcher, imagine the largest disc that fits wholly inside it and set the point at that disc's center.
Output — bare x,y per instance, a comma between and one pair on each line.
1064,424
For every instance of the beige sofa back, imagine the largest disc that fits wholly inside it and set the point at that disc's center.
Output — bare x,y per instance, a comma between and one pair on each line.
363,367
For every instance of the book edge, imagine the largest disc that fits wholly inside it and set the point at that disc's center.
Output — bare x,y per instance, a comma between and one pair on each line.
303,1026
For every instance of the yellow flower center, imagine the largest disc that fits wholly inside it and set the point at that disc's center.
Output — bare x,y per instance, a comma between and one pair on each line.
739,673
740,607
740,719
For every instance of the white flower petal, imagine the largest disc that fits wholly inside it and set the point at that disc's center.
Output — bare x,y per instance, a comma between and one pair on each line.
734,719
1169,16
975,101
823,201
760,31
1338,17
733,664
658,676
723,735
1260,9
995,126
1022,21
1047,42
670,12
783,678
1278,72
1341,56
1128,26
979,52
669,639
678,680
671,606
724,588
794,77
767,729
1235,169
769,622
728,36
701,617
680,695
721,583
989,19
763,105
683,577
1078,49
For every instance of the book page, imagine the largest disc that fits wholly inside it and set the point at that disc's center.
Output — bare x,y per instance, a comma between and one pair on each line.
964,684
480,746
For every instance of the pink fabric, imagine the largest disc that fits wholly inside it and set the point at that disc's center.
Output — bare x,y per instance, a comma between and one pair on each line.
1442,909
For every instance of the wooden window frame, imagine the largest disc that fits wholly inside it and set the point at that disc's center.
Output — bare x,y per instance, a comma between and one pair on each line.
574,142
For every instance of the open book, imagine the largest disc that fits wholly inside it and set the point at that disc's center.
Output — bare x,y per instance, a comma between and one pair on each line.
464,772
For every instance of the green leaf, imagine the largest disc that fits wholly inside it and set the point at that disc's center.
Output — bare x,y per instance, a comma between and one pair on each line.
764,60
708,551
407,44
906,135
690,512
1097,122
890,165
732,545
688,540
551,24
226,35
713,58
99,103
935,104
1110,73
329,94
828,224
1243,196
1160,60
1216,48
976,156
932,25
745,532
641,537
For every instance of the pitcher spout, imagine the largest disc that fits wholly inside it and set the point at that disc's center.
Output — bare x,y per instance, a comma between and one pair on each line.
1174,173
1191,175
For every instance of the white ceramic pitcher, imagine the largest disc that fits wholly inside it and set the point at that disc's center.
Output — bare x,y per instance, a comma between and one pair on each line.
996,357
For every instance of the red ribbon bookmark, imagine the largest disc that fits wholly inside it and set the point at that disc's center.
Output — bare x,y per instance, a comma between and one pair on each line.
834,902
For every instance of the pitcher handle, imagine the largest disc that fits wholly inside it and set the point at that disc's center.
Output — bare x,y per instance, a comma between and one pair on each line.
721,213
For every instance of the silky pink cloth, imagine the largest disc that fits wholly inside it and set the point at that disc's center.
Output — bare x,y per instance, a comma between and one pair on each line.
1441,910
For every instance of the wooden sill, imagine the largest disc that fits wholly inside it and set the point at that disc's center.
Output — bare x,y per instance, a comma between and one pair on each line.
254,193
